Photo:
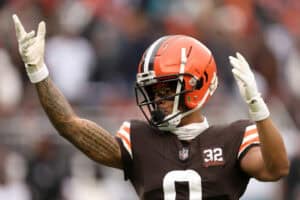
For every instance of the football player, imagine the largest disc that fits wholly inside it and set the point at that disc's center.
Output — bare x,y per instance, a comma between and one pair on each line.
175,154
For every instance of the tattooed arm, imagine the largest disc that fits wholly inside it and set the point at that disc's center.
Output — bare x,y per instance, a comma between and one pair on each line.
90,138
93,140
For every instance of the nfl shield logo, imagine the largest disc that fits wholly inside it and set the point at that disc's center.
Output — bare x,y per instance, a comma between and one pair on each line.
183,154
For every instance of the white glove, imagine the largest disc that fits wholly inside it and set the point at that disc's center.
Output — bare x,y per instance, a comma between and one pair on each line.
245,79
32,49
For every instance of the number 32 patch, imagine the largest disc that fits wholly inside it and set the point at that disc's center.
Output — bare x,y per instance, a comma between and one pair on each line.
213,157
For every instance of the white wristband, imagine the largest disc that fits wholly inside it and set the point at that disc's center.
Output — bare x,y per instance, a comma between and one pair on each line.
39,75
258,110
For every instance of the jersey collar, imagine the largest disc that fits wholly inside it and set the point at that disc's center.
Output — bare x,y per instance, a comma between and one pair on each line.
190,131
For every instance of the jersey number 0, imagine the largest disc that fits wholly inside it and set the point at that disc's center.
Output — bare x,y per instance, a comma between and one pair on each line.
190,176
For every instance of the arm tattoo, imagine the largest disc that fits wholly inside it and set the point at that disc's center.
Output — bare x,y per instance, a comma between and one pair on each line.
90,138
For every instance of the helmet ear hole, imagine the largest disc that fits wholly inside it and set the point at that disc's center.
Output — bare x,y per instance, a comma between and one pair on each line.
206,76
199,83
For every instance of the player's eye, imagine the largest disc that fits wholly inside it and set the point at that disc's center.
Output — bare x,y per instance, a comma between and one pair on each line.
162,91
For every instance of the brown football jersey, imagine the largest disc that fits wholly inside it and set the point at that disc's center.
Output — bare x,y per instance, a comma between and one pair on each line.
162,167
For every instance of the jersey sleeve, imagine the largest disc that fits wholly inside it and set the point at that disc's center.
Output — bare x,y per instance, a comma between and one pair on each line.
250,139
124,139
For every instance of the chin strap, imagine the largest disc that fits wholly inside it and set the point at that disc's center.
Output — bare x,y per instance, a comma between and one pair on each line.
190,131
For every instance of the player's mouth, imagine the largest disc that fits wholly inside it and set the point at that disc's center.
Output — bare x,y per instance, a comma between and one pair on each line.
165,110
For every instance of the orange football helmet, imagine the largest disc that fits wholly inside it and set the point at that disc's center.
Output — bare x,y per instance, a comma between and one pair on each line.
180,59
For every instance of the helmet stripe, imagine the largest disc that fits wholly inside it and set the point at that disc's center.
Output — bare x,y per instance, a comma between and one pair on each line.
181,71
150,55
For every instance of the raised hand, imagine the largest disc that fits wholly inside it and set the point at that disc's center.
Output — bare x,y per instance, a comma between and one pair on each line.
31,49
247,85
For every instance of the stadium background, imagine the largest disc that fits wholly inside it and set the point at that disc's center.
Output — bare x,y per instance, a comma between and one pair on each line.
92,51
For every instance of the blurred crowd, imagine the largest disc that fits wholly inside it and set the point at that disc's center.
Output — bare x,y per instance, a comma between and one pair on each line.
92,51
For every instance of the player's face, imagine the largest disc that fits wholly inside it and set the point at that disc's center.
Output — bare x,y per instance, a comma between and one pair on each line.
164,97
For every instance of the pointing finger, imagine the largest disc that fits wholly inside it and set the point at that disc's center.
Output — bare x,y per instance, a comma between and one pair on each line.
20,31
41,32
